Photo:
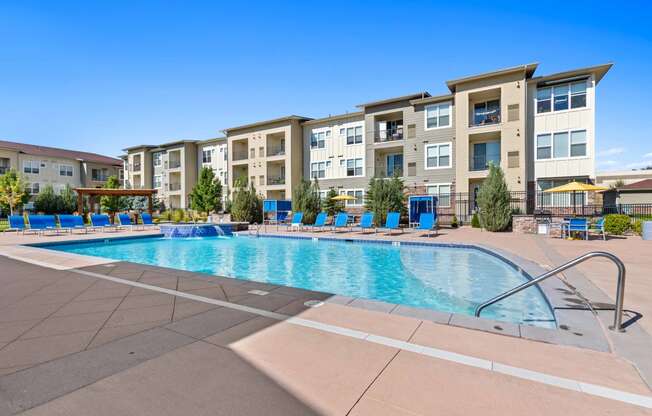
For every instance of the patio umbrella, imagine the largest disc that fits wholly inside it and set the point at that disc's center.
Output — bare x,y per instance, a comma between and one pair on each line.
575,187
343,198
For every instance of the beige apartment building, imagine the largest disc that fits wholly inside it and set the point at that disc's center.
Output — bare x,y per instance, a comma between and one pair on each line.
267,154
43,165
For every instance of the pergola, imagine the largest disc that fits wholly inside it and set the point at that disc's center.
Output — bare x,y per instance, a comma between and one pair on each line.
94,192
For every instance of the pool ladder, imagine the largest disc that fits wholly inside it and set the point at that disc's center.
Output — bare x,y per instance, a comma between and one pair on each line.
620,290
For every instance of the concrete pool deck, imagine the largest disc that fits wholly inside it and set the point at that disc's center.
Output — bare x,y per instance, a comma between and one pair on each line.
81,335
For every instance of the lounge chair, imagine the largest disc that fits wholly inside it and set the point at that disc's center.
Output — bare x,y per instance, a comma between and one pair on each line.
297,219
320,221
578,225
598,227
102,222
70,223
17,223
147,220
367,222
341,221
40,224
392,221
428,222
125,221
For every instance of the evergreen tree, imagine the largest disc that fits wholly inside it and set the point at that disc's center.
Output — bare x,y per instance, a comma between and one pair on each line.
247,206
332,207
13,191
383,196
305,198
112,204
67,201
206,196
494,212
46,201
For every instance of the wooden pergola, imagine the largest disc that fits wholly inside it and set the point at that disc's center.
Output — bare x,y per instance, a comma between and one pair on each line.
95,192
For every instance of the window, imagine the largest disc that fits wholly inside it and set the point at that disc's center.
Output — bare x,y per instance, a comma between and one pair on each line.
157,181
252,153
318,140
561,97
486,113
261,151
563,199
354,167
358,194
206,156
34,188
484,154
443,193
100,175
31,166
342,132
65,170
438,156
438,115
156,158
562,145
318,170
354,135
261,180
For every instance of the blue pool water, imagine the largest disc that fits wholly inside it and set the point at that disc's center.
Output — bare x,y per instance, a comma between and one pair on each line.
450,279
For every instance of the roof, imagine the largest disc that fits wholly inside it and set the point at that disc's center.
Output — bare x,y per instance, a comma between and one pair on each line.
422,94
644,185
116,191
527,68
434,99
599,70
266,122
213,140
45,151
334,118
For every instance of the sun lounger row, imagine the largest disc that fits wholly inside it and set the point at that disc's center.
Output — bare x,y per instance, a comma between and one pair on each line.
342,221
41,224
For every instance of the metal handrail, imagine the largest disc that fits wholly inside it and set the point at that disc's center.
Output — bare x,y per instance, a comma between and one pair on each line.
620,290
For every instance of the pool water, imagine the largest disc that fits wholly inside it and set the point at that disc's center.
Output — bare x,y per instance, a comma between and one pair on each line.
443,278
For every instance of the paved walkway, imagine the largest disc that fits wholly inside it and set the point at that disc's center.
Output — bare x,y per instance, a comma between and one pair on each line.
87,336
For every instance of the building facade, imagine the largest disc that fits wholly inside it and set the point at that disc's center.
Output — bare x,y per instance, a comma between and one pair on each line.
214,154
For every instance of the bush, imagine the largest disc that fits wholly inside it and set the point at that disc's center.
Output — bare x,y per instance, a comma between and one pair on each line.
383,196
206,196
493,201
247,205
455,222
47,201
178,215
637,227
475,221
617,224
305,198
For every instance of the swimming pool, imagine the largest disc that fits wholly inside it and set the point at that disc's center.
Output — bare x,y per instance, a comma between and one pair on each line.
444,278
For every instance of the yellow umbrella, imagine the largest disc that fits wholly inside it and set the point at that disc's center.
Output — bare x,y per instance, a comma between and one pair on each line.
575,187
343,198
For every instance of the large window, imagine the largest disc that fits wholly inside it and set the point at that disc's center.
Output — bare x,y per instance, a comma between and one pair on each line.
318,170
358,194
65,170
156,158
562,145
318,140
31,166
438,115
34,188
443,193
487,112
559,199
158,181
354,135
561,97
354,167
485,154
438,156
206,156
100,175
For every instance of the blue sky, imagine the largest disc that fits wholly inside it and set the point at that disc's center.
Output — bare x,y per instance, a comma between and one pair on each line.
100,76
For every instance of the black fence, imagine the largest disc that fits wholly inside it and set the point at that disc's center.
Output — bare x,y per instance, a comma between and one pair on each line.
463,205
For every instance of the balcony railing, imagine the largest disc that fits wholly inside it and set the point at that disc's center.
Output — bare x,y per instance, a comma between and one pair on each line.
96,178
486,119
175,187
276,181
481,162
276,151
240,155
136,167
382,173
389,135
173,164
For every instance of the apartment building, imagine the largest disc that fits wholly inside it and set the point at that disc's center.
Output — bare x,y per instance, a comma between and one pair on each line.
213,153
43,165
267,154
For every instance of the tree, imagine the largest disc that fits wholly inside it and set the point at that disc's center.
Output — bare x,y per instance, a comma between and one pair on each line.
383,196
67,201
46,201
247,205
493,201
12,190
331,207
305,198
112,204
206,196
618,184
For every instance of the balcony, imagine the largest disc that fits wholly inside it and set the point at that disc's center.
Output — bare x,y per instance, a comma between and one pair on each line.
276,151
175,187
485,113
240,155
136,167
276,181
174,164
381,172
388,135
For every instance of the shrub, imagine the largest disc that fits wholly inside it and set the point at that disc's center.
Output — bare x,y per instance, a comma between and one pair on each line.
493,201
247,205
454,222
113,204
617,224
637,227
67,201
178,215
329,206
305,198
475,221
46,201
206,196
383,196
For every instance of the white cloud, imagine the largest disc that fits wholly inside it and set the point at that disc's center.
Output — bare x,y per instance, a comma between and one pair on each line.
612,152
648,155
607,162
638,165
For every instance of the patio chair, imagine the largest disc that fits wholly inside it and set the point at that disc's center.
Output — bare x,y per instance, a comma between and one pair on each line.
598,227
102,222
147,220
428,222
40,224
367,222
17,223
70,223
341,221
578,225
392,221
320,221
125,222
296,222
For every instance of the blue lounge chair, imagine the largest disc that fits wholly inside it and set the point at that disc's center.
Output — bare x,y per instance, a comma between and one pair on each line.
341,221
578,225
599,228
367,222
17,223
147,220
125,221
102,222
392,221
42,223
296,221
428,222
320,221
72,222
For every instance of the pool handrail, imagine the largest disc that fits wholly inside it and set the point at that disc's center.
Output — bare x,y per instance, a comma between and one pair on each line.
620,288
